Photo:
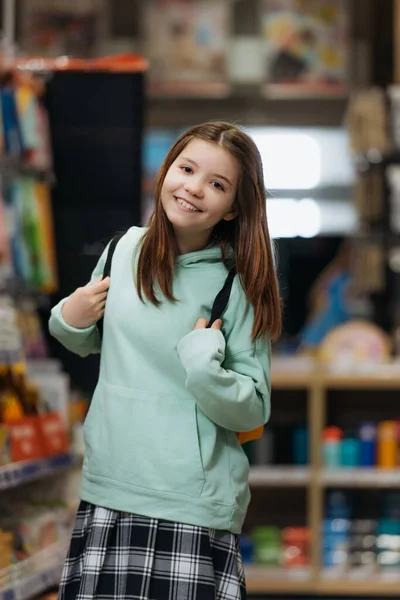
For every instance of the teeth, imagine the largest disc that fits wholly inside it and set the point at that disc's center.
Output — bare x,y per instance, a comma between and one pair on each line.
186,205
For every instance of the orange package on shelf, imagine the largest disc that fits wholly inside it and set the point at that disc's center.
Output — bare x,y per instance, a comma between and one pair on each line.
24,439
53,434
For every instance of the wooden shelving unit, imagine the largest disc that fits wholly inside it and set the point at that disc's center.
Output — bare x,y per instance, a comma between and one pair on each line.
317,383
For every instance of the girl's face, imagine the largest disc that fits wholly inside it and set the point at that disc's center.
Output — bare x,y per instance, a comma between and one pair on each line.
199,191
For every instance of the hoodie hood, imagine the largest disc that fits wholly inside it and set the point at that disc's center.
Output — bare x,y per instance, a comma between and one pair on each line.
203,258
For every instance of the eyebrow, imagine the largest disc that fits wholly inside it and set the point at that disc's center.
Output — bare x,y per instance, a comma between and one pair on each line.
214,175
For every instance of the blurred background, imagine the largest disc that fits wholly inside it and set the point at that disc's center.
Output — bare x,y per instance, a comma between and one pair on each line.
92,94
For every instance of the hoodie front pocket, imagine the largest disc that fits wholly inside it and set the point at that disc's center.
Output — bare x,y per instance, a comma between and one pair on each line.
148,441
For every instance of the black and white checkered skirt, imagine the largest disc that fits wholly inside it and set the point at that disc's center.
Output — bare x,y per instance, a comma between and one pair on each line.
122,556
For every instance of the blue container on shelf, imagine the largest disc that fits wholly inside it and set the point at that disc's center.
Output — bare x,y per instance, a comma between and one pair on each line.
246,549
350,452
335,542
300,446
337,505
367,435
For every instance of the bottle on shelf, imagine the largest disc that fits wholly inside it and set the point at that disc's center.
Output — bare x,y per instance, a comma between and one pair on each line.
331,442
387,445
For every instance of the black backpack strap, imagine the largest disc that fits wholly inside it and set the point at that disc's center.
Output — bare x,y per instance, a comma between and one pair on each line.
222,299
107,270
110,253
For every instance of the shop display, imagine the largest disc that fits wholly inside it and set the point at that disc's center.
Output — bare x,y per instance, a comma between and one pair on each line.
356,344
367,122
64,28
28,528
280,445
186,43
30,429
367,544
329,299
307,46
369,445
273,547
25,162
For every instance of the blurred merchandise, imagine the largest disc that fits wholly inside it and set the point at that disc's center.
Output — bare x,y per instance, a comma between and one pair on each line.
247,549
368,265
367,123
267,545
58,32
186,44
295,547
307,49
21,333
394,97
371,445
28,528
300,446
331,446
329,299
367,433
11,338
357,344
29,228
368,544
387,445
280,445
26,227
30,429
24,124
274,547
350,450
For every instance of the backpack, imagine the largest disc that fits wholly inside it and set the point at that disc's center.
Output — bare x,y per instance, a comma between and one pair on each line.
220,303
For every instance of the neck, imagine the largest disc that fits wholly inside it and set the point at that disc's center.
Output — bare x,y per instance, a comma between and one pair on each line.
189,242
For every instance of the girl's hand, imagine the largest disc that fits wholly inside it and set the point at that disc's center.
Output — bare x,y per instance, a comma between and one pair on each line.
87,304
202,324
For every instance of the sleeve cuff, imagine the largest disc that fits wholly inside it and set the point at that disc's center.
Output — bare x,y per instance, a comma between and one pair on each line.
201,344
56,315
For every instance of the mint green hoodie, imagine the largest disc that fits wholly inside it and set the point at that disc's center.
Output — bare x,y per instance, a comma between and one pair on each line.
160,433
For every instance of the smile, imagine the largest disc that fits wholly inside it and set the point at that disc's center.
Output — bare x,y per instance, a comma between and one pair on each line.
187,205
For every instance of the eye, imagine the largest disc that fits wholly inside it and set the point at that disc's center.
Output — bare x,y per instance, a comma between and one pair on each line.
187,169
217,185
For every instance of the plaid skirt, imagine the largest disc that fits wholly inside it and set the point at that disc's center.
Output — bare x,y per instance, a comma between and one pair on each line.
122,556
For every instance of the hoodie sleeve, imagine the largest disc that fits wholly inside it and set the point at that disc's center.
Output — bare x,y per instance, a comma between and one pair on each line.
80,341
228,374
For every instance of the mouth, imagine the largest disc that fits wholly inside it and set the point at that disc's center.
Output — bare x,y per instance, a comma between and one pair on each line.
188,206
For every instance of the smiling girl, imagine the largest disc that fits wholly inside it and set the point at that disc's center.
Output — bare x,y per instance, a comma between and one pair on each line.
165,479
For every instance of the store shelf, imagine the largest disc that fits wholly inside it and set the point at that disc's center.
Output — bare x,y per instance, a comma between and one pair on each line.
292,372
358,581
264,580
383,377
281,476
19,473
363,478
34,575
303,372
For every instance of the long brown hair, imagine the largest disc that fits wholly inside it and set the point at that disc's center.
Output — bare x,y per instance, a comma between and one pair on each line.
247,233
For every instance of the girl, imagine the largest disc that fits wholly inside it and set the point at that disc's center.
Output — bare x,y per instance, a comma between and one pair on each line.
164,491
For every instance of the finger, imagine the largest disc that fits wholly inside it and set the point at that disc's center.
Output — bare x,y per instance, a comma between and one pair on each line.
217,324
101,286
201,323
99,278
101,296
101,305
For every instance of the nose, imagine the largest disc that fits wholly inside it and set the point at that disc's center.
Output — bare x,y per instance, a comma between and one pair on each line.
194,187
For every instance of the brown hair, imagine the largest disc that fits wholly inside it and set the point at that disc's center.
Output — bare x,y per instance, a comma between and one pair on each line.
247,233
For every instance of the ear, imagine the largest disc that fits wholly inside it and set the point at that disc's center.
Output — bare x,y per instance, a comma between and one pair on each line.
230,215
